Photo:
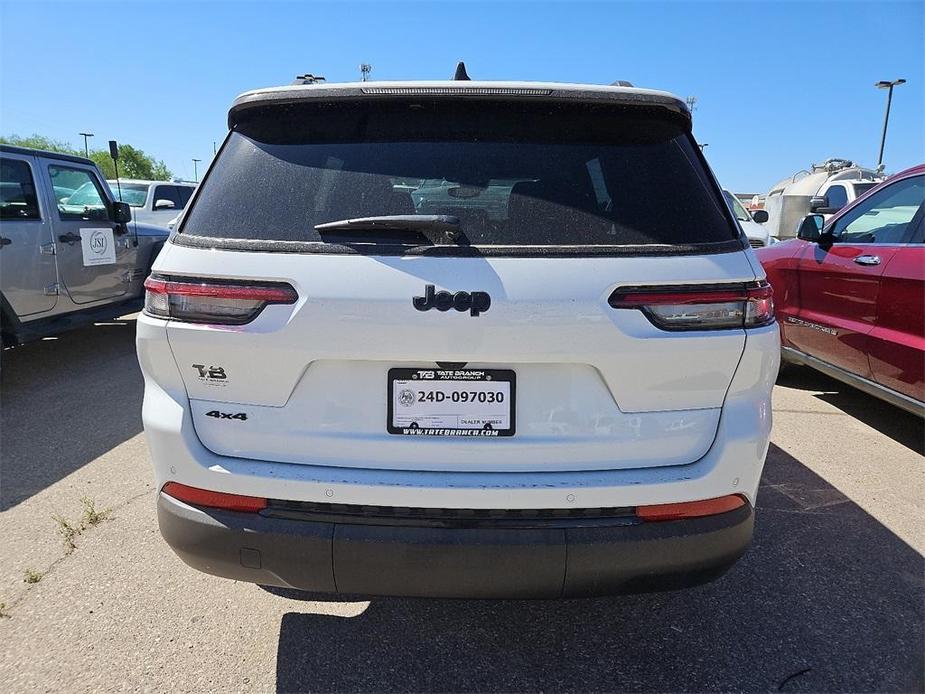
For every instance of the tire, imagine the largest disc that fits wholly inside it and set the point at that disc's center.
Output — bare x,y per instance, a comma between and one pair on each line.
7,326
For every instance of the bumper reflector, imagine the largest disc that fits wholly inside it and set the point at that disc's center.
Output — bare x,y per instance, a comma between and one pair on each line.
689,509
204,497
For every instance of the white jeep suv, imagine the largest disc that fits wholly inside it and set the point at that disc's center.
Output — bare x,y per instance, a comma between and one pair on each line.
567,394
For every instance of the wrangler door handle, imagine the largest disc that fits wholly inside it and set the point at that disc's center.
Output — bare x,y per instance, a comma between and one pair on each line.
69,237
867,260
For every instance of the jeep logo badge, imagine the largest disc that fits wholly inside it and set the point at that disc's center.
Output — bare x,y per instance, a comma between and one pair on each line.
473,302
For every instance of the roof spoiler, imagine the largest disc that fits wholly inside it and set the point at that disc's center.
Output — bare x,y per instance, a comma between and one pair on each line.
281,96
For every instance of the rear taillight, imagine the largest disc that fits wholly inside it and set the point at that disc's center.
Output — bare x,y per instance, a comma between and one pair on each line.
697,307
226,302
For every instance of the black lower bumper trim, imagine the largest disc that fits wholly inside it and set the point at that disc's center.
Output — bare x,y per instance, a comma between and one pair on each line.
478,562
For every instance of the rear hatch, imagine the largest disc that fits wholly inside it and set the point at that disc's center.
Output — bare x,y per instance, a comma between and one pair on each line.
472,318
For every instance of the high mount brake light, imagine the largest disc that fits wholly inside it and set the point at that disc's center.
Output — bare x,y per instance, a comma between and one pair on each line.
223,302
711,307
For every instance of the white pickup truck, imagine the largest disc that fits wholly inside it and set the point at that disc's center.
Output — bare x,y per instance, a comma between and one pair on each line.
153,202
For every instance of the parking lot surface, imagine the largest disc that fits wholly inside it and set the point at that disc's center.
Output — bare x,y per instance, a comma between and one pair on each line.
829,598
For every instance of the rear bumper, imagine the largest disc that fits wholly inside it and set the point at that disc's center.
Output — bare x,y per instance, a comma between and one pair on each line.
542,561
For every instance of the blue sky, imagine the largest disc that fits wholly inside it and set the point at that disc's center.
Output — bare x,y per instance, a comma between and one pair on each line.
779,85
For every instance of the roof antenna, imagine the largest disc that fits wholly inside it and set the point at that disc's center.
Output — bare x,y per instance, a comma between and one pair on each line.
308,78
114,153
461,74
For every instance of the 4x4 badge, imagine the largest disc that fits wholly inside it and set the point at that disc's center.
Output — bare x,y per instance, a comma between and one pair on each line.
473,302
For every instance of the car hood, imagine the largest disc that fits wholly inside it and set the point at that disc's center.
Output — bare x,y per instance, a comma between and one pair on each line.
143,229
754,230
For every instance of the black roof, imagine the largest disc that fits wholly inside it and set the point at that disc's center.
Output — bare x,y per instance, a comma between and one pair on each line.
13,149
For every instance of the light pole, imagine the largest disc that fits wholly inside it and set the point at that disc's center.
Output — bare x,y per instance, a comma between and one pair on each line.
886,84
703,145
87,136
196,170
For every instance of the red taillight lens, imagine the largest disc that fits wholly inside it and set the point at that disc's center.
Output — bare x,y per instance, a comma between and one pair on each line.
204,497
226,302
713,307
759,309
689,509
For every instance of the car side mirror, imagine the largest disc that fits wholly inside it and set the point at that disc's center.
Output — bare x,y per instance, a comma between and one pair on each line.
818,201
820,204
760,216
826,240
121,213
162,204
811,228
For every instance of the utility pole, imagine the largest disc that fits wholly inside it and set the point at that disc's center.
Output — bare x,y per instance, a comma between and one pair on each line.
196,170
691,103
365,69
86,137
888,85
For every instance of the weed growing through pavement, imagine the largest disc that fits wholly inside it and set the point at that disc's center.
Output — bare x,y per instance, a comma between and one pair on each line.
90,517
68,532
3,610
33,576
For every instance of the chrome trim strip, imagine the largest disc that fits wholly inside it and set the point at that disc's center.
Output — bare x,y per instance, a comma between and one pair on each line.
877,390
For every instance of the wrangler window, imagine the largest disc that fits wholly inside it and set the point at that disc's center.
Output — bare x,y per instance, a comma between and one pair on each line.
87,201
515,175
18,198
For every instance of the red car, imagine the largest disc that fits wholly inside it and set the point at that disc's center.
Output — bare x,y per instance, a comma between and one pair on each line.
850,292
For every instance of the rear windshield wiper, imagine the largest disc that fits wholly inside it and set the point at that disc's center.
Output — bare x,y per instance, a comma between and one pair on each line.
438,228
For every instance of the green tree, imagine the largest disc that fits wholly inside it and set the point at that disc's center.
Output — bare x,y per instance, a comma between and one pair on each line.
38,142
133,162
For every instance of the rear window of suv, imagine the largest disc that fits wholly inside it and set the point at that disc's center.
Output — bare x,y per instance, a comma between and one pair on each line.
517,175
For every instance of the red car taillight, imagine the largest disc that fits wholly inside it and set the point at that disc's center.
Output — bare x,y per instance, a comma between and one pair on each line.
697,307
226,302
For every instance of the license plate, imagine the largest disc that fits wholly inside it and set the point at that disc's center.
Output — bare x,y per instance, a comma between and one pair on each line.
451,402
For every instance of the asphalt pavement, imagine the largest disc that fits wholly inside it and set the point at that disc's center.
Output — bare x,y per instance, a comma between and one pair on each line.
829,598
